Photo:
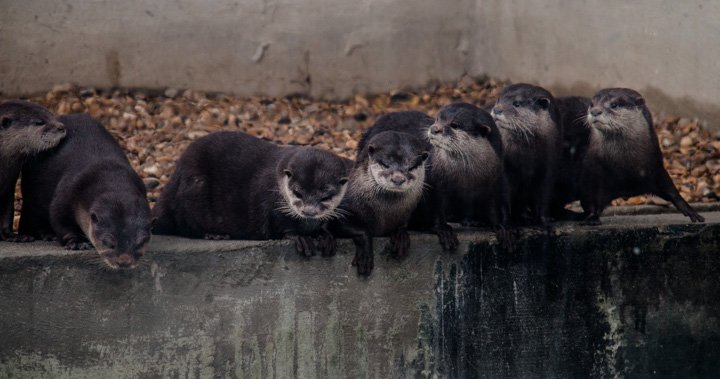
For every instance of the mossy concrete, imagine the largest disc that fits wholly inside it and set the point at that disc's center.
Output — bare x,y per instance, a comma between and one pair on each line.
636,297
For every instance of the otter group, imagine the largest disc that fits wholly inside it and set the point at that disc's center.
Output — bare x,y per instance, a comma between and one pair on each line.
517,162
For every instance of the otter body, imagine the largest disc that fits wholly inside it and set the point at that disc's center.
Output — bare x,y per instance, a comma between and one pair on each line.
85,193
25,130
623,156
385,187
233,185
531,130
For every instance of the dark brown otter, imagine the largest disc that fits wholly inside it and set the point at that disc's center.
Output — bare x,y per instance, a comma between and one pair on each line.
464,170
623,156
85,193
531,130
25,130
233,185
386,185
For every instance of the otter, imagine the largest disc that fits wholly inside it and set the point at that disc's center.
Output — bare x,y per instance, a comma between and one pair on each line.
464,170
25,129
531,131
231,185
623,157
85,194
386,185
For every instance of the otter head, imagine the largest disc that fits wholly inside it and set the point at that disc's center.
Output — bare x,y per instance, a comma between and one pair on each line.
27,128
118,229
458,127
617,110
312,183
396,161
521,108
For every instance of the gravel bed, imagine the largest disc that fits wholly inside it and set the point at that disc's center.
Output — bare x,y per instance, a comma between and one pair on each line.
155,127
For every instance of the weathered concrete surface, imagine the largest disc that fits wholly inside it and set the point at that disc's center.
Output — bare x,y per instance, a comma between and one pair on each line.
668,50
636,297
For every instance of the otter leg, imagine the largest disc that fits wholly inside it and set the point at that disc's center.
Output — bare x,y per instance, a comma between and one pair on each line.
665,188
74,241
400,242
326,243
303,244
363,253
446,234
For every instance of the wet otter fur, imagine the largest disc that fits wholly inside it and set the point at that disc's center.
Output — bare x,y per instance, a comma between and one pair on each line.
25,130
232,185
85,193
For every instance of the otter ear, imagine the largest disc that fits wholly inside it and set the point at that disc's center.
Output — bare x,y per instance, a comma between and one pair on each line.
5,122
424,155
638,99
288,173
544,102
93,217
371,149
343,181
485,130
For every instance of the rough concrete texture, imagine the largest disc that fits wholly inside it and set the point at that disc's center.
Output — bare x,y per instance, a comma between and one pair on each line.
668,50
636,297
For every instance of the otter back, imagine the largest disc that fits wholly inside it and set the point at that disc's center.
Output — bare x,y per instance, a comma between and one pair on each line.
86,193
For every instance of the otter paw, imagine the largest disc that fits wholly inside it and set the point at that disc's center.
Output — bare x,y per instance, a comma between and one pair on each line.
327,245
303,245
364,263
448,238
76,244
12,237
507,238
400,243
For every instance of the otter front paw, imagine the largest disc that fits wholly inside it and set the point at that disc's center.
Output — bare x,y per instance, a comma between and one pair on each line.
400,243
447,236
303,245
12,237
327,245
74,242
364,262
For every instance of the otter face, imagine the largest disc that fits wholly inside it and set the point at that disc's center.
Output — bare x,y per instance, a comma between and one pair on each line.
521,108
119,231
28,128
397,163
312,185
614,110
458,127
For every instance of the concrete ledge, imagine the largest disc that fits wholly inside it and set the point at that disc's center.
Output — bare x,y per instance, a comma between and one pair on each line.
634,297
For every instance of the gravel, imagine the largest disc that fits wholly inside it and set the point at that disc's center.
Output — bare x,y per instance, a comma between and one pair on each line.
155,127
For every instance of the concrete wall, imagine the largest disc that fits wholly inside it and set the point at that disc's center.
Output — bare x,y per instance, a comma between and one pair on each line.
669,50
636,297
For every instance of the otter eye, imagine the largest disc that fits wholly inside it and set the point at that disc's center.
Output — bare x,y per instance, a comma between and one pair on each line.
383,165
108,243
93,217
6,122
326,198
613,105
454,125
516,104
297,194
38,123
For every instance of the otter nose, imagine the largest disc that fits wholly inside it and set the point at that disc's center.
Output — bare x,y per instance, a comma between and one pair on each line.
595,112
436,129
124,261
310,212
398,180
